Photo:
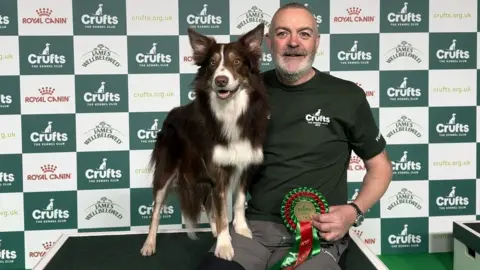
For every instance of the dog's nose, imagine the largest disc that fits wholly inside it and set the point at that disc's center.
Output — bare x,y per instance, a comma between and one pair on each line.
221,81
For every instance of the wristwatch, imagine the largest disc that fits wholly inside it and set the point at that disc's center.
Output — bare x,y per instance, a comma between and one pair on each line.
360,215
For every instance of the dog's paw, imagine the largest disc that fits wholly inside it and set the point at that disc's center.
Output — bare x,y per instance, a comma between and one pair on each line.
224,250
244,230
148,249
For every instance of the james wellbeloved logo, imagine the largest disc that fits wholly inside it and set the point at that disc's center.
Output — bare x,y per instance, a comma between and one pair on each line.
404,16
157,54
354,52
252,18
48,133
46,55
104,206
101,93
101,53
403,125
453,51
208,16
403,50
103,131
404,197
105,18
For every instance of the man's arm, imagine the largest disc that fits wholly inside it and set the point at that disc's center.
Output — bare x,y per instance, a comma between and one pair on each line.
369,144
375,182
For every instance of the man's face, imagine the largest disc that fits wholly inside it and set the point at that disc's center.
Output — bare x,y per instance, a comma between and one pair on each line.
293,41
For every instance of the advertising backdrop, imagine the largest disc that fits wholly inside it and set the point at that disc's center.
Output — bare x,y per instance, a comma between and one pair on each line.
86,84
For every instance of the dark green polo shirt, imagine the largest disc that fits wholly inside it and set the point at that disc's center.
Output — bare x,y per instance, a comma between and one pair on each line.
312,130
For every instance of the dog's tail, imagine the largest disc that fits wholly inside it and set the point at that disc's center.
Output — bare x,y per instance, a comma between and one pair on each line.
164,158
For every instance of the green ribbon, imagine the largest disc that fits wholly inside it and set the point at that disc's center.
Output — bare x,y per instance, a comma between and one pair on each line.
290,258
305,228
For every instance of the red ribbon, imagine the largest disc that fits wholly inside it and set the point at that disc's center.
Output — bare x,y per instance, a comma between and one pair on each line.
305,243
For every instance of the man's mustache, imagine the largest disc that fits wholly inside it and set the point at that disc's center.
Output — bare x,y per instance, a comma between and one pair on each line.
295,52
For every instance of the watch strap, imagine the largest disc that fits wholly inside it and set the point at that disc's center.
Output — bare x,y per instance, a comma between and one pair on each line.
359,213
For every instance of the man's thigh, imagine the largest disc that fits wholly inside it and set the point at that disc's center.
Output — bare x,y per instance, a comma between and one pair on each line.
327,259
249,253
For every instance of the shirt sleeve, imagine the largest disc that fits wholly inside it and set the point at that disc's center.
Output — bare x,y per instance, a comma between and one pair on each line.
364,135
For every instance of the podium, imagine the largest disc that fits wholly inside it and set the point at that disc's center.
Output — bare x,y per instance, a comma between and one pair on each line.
466,245
175,251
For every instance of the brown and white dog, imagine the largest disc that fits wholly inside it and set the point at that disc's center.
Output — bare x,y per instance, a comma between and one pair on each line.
209,145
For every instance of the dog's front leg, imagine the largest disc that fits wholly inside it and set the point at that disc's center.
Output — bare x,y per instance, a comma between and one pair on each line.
239,219
224,248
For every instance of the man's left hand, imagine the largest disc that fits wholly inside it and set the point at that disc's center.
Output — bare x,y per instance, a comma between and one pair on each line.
336,223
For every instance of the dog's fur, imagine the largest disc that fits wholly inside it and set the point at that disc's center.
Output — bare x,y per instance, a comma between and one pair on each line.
209,145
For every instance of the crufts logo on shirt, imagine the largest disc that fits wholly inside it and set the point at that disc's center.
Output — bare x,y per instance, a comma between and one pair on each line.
317,119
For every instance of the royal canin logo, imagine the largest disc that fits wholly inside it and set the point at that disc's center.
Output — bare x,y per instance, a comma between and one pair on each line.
353,16
49,172
356,164
47,95
368,93
44,16
39,254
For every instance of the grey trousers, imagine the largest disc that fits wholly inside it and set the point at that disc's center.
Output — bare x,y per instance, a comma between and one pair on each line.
272,241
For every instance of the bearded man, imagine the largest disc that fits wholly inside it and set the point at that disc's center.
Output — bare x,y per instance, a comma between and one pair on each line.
316,121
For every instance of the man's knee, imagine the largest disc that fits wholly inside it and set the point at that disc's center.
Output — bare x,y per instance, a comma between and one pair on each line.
211,262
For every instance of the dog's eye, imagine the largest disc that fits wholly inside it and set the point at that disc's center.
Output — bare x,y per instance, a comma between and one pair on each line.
212,62
236,62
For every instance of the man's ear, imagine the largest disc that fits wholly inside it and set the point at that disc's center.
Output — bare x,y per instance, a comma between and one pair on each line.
253,39
200,44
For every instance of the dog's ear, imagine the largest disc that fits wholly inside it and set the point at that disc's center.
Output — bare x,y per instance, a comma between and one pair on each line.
200,44
253,39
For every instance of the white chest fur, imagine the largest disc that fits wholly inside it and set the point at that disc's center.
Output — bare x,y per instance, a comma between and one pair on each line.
238,152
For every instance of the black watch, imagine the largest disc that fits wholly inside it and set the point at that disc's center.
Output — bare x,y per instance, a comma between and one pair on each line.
360,215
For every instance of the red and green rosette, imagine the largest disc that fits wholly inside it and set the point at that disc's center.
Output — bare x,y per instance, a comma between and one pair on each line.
297,208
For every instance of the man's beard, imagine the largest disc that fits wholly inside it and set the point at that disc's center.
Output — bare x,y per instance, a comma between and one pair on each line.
291,75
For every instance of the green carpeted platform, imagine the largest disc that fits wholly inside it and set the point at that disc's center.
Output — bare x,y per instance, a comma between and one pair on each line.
437,261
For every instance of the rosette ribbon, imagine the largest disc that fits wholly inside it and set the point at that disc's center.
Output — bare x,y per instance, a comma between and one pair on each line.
297,208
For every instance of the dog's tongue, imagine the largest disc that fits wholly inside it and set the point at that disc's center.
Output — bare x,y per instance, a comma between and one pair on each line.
223,94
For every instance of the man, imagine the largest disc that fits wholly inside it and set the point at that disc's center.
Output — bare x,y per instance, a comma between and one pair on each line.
316,121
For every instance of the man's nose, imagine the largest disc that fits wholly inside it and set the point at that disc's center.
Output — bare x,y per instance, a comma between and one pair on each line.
293,41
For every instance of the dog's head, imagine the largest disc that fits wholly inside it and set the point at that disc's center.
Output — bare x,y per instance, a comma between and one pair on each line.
225,67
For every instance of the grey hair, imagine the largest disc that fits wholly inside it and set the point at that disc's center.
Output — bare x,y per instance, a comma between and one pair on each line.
287,6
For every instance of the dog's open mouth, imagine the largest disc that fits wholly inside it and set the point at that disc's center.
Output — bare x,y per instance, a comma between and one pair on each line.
224,94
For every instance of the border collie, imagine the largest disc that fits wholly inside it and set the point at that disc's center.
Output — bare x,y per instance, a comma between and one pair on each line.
209,145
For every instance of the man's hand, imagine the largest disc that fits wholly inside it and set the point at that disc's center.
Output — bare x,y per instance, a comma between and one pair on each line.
336,223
